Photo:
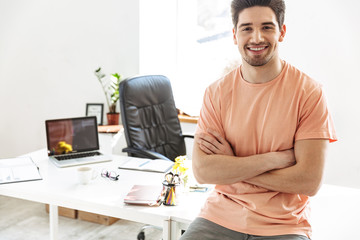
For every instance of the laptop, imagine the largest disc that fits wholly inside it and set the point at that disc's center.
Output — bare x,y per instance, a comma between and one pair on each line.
74,141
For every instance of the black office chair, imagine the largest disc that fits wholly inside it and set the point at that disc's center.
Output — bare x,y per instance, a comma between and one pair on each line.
150,119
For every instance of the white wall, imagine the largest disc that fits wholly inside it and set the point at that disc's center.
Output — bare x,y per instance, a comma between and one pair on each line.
158,37
323,40
48,52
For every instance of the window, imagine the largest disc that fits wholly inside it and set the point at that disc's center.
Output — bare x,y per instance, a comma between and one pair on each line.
205,49
189,41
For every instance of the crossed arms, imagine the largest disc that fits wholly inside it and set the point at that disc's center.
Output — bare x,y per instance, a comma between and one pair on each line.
297,170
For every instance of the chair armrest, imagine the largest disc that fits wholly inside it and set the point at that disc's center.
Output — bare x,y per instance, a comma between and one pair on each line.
145,153
188,136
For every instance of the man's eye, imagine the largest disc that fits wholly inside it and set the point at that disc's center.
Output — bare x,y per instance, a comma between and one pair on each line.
268,27
246,29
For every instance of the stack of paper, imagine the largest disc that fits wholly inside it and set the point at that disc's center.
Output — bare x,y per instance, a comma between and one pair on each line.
18,170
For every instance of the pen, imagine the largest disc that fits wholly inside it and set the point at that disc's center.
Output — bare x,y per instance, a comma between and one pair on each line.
143,163
198,189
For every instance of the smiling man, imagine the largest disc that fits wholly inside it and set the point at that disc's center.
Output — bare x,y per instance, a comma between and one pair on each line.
261,137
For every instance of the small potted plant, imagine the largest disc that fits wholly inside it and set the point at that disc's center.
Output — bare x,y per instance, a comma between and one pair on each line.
110,88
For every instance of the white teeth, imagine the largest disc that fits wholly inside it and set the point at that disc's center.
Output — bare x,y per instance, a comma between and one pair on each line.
257,49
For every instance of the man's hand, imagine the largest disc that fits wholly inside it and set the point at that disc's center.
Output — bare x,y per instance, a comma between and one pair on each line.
214,161
297,170
304,177
285,159
214,143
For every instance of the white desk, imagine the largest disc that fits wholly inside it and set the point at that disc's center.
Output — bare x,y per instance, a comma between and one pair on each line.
335,210
335,213
60,187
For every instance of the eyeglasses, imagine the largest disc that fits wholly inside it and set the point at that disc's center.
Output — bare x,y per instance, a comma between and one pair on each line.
113,176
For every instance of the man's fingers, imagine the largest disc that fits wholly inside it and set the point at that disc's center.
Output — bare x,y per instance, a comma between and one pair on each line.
209,146
212,142
205,150
208,139
217,135
222,144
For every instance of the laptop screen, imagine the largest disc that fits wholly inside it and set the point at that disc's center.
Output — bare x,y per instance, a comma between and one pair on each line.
71,135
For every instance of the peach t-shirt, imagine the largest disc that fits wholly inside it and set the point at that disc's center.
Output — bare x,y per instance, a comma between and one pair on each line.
261,118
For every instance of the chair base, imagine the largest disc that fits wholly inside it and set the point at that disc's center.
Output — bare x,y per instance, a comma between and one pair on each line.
141,234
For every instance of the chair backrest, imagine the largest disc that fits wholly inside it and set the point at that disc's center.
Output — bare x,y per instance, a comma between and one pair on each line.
149,116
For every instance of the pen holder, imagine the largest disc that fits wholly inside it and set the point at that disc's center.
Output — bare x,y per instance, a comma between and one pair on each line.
170,193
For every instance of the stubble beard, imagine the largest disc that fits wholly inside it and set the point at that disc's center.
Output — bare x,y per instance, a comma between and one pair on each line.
256,61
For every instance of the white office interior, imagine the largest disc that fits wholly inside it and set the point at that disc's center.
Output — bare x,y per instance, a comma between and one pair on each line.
50,49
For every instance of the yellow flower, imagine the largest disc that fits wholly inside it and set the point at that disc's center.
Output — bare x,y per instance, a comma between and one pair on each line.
179,166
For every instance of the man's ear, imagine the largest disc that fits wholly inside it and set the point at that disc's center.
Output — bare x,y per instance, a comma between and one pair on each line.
282,33
234,36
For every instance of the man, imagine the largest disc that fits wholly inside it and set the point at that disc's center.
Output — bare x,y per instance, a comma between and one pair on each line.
261,137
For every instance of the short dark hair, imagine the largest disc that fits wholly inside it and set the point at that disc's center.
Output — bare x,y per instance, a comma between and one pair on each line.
278,6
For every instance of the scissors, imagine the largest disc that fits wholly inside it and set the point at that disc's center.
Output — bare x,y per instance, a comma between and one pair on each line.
171,178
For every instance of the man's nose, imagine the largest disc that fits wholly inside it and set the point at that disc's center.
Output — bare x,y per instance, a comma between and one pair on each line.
257,36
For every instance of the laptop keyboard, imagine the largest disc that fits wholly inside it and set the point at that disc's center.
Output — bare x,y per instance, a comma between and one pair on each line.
77,155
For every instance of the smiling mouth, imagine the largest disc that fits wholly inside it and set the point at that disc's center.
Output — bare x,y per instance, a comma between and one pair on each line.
257,49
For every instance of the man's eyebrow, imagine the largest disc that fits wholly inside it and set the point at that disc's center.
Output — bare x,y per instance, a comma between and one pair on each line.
245,25
264,23
269,23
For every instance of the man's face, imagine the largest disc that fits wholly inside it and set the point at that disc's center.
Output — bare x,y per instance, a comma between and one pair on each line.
257,35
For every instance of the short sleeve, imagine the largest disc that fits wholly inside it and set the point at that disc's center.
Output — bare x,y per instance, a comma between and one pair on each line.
315,121
210,113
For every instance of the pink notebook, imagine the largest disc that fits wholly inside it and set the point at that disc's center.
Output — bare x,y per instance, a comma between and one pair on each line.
144,195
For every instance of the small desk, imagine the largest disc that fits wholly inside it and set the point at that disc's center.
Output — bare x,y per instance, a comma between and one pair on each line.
118,128
110,128
188,119
111,139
